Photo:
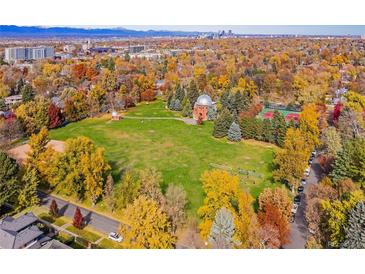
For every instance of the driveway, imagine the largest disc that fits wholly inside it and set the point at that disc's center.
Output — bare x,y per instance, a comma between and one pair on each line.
299,229
97,221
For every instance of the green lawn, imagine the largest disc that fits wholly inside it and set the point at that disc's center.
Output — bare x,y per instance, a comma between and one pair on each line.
152,109
84,233
109,244
180,151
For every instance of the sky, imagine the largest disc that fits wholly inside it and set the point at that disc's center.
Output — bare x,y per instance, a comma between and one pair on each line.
257,29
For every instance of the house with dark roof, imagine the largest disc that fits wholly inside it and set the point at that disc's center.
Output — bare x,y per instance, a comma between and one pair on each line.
23,232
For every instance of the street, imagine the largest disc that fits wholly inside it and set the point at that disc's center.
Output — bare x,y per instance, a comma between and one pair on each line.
299,229
97,221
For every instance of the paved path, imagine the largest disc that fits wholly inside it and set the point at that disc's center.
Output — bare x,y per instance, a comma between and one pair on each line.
97,221
299,229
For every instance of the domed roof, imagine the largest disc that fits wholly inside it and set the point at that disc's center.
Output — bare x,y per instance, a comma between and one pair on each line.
204,100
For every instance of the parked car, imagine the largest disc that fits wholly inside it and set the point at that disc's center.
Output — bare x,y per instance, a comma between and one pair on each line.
307,171
115,237
294,209
297,200
311,231
314,153
303,182
300,189
292,218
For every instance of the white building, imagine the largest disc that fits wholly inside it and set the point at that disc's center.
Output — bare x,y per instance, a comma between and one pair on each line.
27,54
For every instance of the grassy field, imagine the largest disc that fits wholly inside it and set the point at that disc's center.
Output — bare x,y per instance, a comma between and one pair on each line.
179,151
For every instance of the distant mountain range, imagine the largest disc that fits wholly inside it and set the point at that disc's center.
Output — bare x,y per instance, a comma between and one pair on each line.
10,31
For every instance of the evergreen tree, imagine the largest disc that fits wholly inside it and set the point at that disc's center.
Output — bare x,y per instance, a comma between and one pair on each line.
267,131
27,93
222,231
192,93
258,129
350,161
170,98
177,105
247,126
8,178
3,106
279,126
78,220
180,93
355,230
238,99
53,209
212,113
28,195
225,100
234,133
222,124
186,108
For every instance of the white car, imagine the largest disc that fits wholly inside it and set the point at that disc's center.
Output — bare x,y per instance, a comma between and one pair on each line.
307,171
294,209
115,237
303,182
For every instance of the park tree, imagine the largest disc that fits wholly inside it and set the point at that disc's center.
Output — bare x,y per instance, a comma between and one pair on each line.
128,189
34,114
234,133
27,93
271,217
223,230
9,184
53,209
355,101
192,93
3,106
76,107
145,225
332,141
292,159
277,197
94,169
109,192
186,108
350,124
279,128
175,205
308,124
79,170
150,185
246,223
350,161
78,220
221,190
55,116
189,237
355,229
212,113
336,214
28,195
222,124
267,131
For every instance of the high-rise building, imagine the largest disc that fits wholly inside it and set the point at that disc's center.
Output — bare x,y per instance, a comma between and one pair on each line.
27,54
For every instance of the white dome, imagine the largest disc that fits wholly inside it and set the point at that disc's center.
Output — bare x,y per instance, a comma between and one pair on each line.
204,100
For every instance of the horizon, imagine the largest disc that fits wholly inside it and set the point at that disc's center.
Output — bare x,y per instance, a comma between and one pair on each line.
237,29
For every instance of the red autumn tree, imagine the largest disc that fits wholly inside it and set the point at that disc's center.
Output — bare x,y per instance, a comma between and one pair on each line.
78,220
55,116
273,219
53,209
148,95
337,112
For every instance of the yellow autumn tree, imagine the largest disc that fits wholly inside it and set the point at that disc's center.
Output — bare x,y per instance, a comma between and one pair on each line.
221,190
145,225
246,224
292,159
94,167
308,125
